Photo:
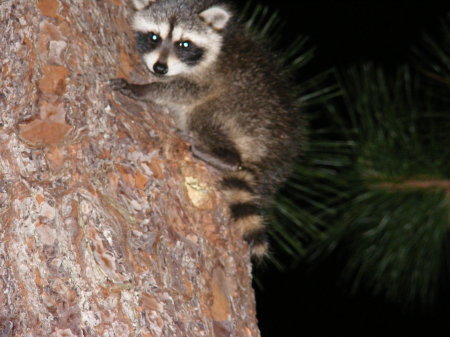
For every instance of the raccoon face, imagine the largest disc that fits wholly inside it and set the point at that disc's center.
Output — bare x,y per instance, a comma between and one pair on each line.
172,44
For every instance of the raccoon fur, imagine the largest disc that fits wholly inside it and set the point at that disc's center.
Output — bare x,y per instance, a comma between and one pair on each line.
228,95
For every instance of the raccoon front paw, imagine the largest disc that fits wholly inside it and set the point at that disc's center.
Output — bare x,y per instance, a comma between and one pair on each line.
122,86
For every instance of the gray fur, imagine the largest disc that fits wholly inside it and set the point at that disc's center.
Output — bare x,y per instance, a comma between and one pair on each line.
185,11
238,111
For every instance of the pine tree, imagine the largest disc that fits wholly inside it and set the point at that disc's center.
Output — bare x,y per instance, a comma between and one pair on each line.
108,226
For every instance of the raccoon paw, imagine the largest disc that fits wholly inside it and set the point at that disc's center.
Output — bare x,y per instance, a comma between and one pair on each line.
122,86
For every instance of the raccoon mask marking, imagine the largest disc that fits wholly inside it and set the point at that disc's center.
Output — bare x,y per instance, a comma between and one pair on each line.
171,47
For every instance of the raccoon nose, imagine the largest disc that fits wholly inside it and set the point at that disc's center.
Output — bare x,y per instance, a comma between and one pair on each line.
160,68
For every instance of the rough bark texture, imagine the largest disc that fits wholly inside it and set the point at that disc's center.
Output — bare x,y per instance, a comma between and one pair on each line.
108,227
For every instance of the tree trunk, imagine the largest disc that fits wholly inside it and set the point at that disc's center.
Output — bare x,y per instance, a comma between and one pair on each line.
108,227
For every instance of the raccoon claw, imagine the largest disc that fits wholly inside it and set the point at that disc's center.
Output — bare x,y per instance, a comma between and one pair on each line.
134,91
121,85
117,83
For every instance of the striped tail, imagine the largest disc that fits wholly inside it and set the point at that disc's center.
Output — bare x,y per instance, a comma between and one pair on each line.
245,210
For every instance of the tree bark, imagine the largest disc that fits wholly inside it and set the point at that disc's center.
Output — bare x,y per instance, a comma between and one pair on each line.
108,226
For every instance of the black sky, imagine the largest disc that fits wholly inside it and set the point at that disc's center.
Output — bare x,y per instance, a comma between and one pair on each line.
349,31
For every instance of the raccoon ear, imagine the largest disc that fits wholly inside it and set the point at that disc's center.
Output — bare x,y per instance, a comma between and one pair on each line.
216,16
140,4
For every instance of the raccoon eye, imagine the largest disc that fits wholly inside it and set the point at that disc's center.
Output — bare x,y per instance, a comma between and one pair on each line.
154,37
184,44
146,42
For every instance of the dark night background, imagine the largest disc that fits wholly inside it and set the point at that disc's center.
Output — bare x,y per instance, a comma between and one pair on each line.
301,302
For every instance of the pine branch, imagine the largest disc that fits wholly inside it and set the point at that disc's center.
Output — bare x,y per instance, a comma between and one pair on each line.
392,227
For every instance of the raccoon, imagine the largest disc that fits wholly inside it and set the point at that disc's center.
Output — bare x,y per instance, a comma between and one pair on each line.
228,95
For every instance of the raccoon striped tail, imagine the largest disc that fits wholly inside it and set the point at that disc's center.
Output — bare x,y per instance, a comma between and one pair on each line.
245,210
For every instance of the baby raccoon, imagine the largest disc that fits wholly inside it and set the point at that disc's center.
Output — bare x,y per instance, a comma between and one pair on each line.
228,95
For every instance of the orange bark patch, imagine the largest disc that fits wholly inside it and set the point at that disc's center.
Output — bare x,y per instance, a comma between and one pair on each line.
39,198
49,7
155,166
4,70
145,334
20,191
117,2
106,154
125,64
127,176
150,303
54,32
54,80
38,278
141,180
40,132
188,286
221,306
74,212
55,158
247,332
27,43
